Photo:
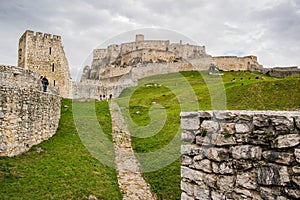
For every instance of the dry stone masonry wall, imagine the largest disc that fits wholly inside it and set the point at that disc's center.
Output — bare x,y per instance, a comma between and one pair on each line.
240,155
27,115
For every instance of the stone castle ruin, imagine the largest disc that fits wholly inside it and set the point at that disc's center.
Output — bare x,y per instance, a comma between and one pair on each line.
120,65
44,55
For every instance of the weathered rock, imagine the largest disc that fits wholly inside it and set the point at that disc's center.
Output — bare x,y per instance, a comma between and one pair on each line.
297,121
297,155
201,193
296,179
220,139
272,175
192,149
218,154
184,196
190,121
246,194
225,183
261,121
186,160
242,128
246,152
271,194
188,136
210,126
296,169
285,141
283,124
187,187
247,180
204,165
294,193
222,168
279,157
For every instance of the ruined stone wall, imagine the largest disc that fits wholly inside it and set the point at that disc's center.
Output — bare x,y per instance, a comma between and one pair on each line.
228,63
44,55
28,116
240,155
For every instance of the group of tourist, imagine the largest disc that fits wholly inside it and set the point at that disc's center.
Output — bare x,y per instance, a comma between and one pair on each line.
104,97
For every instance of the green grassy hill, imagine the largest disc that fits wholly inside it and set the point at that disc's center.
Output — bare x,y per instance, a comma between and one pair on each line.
66,170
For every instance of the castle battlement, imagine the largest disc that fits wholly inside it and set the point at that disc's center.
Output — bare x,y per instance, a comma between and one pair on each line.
41,36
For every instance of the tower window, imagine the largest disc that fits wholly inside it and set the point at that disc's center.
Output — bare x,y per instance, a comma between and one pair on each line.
50,50
54,83
52,67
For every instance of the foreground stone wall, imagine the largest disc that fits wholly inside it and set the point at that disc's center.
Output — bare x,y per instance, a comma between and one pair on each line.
27,115
240,155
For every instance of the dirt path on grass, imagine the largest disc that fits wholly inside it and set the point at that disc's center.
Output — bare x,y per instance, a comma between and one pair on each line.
131,182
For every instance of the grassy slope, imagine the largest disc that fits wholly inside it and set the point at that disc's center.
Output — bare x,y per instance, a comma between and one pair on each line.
249,93
63,170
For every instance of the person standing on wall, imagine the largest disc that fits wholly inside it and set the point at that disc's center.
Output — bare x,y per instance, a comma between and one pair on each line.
45,83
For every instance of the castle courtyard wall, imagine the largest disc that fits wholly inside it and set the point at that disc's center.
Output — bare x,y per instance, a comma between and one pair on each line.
240,155
28,115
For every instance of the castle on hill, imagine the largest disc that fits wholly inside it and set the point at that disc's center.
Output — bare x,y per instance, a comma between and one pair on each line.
120,65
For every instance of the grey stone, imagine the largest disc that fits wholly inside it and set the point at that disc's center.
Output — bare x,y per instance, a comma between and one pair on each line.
188,136
228,128
294,193
297,155
222,140
204,165
261,121
201,193
190,123
184,196
246,152
246,194
296,169
296,179
210,180
218,154
247,180
297,121
222,168
272,175
191,174
271,193
285,141
224,115
225,183
1,115
282,123
279,157
205,114
186,160
191,149
187,187
210,126
242,128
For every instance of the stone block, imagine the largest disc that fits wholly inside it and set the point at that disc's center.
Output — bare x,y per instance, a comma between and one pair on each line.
222,168
261,121
188,136
271,193
209,126
297,155
201,193
242,128
191,174
296,169
218,154
225,183
184,196
186,160
204,165
246,152
221,139
272,174
286,141
190,122
293,193
247,180
242,193
205,114
224,115
296,179
297,121
283,124
279,157
187,187
191,149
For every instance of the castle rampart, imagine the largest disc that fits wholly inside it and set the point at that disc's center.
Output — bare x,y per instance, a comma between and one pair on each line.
44,54
240,155
28,115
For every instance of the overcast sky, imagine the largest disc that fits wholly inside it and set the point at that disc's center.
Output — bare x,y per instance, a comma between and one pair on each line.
269,29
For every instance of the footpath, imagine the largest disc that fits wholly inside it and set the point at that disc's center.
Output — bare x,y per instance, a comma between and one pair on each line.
130,180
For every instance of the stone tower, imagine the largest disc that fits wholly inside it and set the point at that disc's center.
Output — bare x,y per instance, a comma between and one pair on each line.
44,55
